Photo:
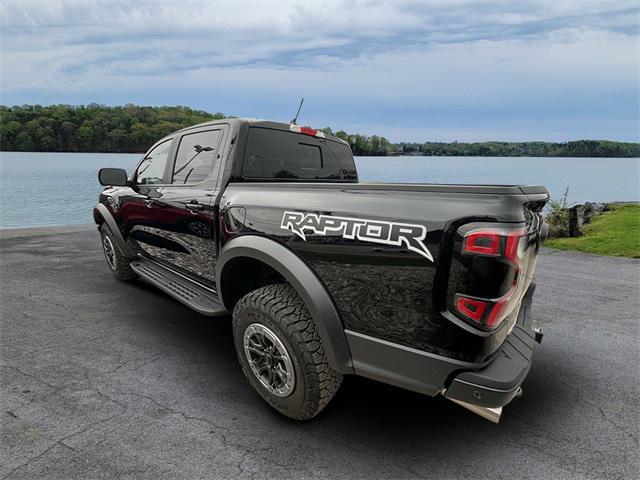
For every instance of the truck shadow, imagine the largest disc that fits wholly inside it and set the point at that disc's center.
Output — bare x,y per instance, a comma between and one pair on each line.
363,408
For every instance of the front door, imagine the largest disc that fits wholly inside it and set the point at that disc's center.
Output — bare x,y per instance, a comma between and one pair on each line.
140,209
188,200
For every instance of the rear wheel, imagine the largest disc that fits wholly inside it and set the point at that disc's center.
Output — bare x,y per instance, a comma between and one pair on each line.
117,262
281,353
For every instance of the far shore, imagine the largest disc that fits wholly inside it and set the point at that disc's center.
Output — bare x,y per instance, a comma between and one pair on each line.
134,128
357,156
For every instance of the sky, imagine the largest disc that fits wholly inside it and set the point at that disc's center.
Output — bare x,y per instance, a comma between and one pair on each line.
433,70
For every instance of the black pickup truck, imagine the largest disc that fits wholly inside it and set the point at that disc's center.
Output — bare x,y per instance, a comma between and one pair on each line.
426,287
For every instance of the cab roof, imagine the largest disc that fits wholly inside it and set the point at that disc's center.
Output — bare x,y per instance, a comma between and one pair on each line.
252,122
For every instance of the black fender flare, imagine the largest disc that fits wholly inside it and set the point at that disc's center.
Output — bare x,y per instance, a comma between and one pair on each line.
304,281
106,215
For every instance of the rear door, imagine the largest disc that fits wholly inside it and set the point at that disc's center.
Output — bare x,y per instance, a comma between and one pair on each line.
187,199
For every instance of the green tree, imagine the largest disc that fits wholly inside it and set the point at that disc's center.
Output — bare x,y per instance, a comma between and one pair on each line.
132,128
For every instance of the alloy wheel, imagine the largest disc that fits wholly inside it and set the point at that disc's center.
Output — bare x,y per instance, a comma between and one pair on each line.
109,252
269,360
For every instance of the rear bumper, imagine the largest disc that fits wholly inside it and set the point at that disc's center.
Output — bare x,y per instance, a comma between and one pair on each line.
489,385
497,384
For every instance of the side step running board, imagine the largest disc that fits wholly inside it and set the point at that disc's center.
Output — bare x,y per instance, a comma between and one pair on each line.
199,298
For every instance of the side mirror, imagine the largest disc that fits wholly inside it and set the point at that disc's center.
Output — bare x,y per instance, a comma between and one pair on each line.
116,177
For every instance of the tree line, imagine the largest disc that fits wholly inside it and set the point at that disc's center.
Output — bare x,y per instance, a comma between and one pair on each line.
363,145
92,128
132,128
577,148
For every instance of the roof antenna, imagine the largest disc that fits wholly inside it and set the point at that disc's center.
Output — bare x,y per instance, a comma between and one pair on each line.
293,122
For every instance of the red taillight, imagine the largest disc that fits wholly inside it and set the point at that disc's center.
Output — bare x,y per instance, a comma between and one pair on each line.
511,251
493,242
471,308
485,243
501,308
307,131
488,313
496,316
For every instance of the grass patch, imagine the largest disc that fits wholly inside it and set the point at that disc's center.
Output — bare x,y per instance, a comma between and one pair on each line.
616,232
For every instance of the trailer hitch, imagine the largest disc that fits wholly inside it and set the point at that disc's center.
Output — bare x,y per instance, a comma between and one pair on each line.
538,334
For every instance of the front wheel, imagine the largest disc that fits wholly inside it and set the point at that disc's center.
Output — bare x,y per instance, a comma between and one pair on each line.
281,353
117,262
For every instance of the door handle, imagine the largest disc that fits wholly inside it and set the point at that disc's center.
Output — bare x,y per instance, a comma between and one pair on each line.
194,206
150,203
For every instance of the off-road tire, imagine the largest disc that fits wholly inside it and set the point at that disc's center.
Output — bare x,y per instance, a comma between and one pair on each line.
120,266
279,308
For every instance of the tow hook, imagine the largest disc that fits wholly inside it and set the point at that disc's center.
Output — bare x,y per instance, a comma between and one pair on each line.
538,334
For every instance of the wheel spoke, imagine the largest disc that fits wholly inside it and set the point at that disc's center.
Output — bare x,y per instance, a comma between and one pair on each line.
281,373
265,342
258,362
257,351
270,379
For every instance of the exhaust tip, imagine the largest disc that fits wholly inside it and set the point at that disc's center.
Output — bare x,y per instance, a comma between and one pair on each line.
491,414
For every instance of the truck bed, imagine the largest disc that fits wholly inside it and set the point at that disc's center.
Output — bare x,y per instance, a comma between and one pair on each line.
388,291
412,187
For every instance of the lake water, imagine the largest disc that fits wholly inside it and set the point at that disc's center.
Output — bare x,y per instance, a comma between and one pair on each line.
43,189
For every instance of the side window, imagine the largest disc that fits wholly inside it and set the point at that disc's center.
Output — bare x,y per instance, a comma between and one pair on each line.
197,154
151,169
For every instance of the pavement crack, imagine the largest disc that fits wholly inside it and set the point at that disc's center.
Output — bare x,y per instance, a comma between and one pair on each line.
144,363
58,346
603,414
610,421
174,411
222,431
39,380
61,442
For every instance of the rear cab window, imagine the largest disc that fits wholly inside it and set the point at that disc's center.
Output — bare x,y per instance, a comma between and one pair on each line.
272,154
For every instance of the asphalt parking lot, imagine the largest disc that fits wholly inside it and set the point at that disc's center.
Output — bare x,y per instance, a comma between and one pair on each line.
102,379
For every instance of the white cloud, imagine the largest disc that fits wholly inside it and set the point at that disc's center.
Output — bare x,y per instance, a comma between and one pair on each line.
429,59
